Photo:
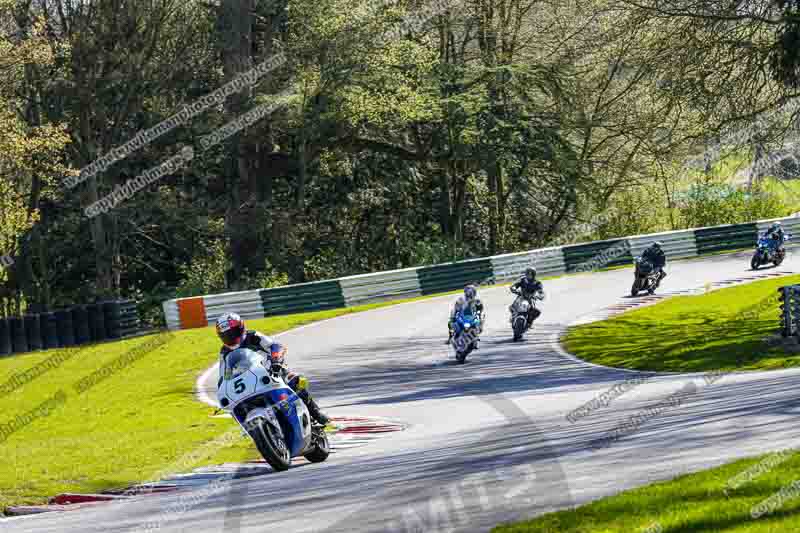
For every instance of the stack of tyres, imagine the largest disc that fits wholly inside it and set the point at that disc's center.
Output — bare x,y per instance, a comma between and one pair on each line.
19,342
97,322
50,331
33,331
66,328
75,326
129,318
5,338
80,320
113,315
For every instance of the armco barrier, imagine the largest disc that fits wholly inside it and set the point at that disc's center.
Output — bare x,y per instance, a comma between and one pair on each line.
453,276
581,256
721,238
676,244
380,286
301,298
200,311
548,262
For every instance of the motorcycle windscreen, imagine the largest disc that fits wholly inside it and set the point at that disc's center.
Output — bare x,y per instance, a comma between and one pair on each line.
521,305
463,319
239,381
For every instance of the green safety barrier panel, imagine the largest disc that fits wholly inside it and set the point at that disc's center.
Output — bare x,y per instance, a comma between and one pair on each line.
453,276
300,298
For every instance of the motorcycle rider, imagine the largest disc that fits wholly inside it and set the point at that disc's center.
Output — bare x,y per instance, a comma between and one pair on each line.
231,331
775,232
527,286
655,255
469,301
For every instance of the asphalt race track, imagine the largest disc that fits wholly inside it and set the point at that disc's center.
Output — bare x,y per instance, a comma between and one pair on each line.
488,441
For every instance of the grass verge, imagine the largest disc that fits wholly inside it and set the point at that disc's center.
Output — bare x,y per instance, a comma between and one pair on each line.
726,329
716,500
119,413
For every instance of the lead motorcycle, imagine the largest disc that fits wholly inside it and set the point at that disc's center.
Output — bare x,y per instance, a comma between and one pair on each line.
768,250
645,277
523,313
466,330
269,411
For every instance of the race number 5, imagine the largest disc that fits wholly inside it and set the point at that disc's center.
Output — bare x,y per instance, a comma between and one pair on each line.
239,386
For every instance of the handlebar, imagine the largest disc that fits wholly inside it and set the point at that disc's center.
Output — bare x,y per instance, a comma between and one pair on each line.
276,369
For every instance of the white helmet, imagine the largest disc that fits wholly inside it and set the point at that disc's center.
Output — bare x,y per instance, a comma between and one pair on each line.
231,330
470,292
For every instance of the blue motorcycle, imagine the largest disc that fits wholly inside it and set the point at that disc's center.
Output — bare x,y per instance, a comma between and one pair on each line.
768,250
465,334
255,393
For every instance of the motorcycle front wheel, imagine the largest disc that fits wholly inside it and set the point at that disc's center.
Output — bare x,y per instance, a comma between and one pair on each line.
461,355
778,259
519,327
272,447
755,261
635,288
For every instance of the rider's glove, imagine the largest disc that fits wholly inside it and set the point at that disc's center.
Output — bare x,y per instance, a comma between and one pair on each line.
278,368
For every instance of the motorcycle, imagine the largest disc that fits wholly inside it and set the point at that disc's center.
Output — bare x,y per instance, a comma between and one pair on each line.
523,314
269,411
646,277
767,251
465,335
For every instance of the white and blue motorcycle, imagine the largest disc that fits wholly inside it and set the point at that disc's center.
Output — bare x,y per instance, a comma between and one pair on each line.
466,334
255,393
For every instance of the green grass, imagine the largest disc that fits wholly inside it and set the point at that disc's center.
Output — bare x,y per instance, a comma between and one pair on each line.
137,423
691,333
690,503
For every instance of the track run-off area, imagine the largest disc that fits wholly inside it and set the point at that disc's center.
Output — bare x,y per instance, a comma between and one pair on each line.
487,442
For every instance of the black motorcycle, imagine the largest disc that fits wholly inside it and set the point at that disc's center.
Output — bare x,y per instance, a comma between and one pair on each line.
646,277
523,313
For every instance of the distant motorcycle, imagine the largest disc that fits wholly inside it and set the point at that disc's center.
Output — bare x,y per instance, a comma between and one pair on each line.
646,277
523,314
269,411
767,252
465,334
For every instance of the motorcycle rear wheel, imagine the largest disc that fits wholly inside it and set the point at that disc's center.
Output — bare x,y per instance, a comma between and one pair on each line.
271,447
322,447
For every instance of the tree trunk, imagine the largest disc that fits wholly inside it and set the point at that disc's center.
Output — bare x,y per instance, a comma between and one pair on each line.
236,26
446,209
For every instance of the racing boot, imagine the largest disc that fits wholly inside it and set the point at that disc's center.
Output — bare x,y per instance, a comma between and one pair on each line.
313,409
316,412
